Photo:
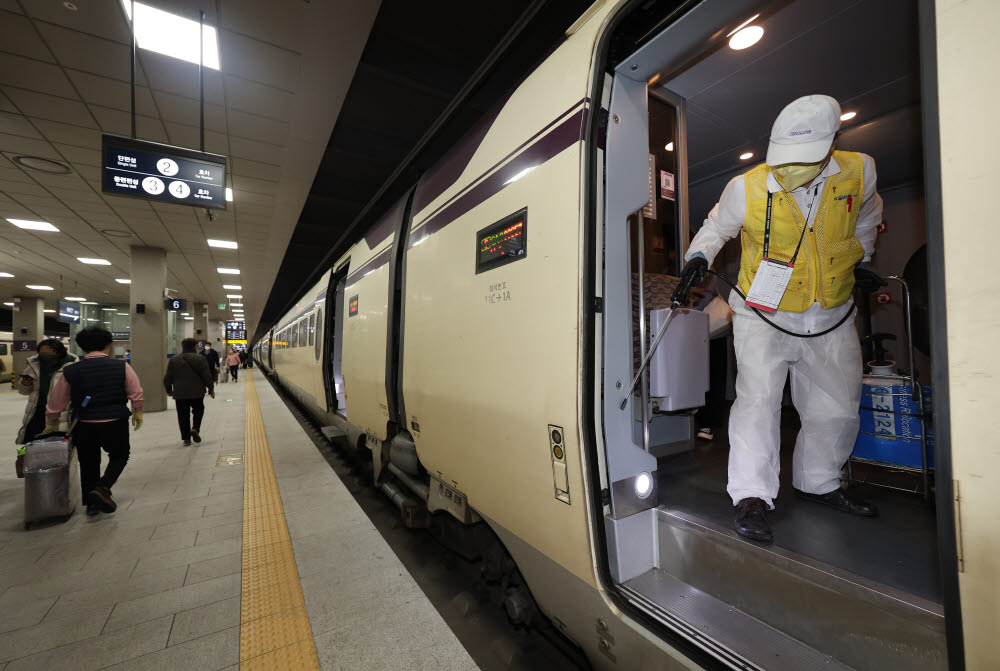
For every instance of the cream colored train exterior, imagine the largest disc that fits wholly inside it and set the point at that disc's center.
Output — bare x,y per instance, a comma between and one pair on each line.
488,363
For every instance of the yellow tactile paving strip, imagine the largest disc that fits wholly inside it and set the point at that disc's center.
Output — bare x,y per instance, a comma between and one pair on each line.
274,627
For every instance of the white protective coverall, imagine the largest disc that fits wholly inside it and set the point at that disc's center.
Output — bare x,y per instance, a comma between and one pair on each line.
825,371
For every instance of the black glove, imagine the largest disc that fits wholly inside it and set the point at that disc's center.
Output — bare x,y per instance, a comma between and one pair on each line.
692,275
867,280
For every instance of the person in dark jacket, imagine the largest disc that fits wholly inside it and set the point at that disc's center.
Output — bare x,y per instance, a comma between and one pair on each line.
100,388
243,358
213,361
187,379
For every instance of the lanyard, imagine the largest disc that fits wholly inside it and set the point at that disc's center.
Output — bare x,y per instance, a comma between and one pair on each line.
767,233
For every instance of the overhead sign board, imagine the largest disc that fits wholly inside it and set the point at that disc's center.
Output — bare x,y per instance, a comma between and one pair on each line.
235,325
121,335
161,173
69,312
175,304
222,306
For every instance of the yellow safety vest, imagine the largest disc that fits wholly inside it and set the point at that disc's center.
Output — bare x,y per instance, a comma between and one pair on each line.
824,269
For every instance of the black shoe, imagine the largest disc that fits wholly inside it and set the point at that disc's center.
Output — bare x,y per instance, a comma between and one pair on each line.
195,436
842,501
101,498
187,443
751,520
92,510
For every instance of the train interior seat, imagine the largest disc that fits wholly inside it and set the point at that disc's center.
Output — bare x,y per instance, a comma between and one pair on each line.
705,116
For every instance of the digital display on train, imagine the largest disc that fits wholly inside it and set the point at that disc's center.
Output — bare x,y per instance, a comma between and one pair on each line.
503,242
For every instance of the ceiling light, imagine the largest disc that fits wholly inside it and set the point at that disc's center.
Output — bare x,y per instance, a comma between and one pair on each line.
236,305
643,485
227,244
670,146
6,275
109,309
122,314
189,319
746,155
74,298
237,287
10,304
38,287
173,35
88,302
737,28
42,165
233,296
123,280
33,225
847,116
747,37
93,262
91,320
48,311
519,175
185,314
229,271
229,194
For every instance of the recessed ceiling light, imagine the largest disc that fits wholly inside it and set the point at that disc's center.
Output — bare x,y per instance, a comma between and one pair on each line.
10,304
38,287
746,155
122,314
42,165
88,303
91,320
109,309
670,146
185,314
6,275
48,311
233,296
93,262
847,116
173,35
229,271
747,37
33,225
74,298
189,319
236,305
227,244
123,280
232,286
229,194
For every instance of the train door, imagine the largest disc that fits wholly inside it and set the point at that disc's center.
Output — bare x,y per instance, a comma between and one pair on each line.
332,353
690,111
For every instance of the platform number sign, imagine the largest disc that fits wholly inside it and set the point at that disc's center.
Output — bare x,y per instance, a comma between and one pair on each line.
175,304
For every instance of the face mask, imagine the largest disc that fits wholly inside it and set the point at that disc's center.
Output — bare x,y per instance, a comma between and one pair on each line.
794,175
48,358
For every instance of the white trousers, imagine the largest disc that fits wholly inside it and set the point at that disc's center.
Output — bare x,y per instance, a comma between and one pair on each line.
826,390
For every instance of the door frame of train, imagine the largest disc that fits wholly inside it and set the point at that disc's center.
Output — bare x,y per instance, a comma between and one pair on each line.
934,222
591,423
395,319
329,337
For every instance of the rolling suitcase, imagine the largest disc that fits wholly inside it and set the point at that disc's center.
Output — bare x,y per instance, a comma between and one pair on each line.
51,476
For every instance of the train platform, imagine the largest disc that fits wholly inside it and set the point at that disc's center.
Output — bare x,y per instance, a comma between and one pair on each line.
245,551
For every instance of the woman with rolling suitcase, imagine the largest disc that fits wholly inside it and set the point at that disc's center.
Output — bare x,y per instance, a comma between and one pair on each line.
39,377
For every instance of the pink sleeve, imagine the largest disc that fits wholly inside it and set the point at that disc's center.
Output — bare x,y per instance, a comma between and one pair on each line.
133,388
58,400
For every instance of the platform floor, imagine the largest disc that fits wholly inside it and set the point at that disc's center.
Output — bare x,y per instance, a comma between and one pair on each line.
163,582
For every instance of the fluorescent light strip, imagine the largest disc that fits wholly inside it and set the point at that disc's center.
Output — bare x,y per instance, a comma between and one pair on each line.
237,287
48,311
93,262
123,280
6,275
229,194
225,244
173,35
38,287
229,271
33,225
74,298
236,296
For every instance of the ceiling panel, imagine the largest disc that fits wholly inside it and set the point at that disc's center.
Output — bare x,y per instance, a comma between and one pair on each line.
31,74
85,52
15,124
258,61
260,99
77,136
112,93
105,18
187,111
51,108
18,36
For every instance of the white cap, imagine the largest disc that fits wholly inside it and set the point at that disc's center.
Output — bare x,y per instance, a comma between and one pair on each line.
804,131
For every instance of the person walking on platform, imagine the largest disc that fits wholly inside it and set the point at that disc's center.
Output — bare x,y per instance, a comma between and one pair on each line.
187,380
213,361
233,361
100,388
243,359
40,375
807,220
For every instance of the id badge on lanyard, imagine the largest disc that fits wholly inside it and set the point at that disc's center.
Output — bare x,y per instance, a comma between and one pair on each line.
772,277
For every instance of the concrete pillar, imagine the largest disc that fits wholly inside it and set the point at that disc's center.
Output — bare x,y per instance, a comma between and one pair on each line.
149,330
200,313
29,325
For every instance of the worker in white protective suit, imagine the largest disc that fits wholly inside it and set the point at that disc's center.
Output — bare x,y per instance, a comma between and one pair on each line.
807,220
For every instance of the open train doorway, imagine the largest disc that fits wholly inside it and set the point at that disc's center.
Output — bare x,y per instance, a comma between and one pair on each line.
865,591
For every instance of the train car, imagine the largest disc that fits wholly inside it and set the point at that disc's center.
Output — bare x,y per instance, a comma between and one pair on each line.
6,356
481,337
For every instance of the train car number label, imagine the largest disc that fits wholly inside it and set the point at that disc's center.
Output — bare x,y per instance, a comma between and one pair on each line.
498,293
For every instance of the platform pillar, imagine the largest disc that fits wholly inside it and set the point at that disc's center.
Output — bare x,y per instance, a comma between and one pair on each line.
149,329
200,313
29,330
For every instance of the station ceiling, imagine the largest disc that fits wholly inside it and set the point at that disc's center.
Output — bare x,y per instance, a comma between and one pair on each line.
64,79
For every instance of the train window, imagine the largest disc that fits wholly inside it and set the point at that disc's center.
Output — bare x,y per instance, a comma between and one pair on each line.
303,337
312,328
293,340
3,349
319,330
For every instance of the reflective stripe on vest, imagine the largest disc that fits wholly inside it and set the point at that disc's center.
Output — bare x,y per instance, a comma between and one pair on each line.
824,270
